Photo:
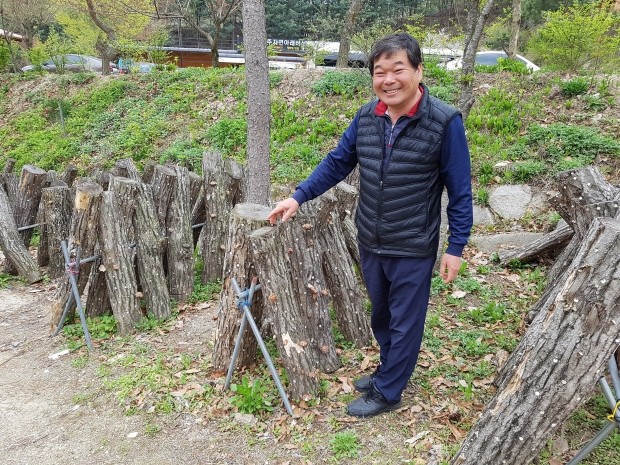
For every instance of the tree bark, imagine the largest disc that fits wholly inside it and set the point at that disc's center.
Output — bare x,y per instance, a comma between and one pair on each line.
347,32
244,218
126,168
559,360
26,208
12,244
180,240
83,234
149,253
550,242
117,261
70,174
515,27
222,185
259,106
55,212
288,262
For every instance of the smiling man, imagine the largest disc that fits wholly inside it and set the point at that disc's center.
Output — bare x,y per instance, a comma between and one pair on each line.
408,146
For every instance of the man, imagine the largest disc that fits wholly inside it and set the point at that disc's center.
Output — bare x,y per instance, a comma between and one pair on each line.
408,146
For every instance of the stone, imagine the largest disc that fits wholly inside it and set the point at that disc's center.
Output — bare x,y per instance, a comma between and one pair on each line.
510,201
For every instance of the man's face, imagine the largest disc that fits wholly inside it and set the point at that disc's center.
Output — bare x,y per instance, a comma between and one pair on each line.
396,82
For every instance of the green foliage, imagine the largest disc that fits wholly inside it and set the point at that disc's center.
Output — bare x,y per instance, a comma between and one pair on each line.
275,78
101,327
583,34
499,112
491,312
252,397
346,83
526,170
205,292
6,280
5,56
229,135
184,152
345,444
446,93
574,87
481,196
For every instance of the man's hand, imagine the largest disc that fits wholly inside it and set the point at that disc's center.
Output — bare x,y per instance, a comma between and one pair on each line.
449,267
284,210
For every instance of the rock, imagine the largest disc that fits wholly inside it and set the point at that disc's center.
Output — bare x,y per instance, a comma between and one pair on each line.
493,243
482,215
246,419
510,201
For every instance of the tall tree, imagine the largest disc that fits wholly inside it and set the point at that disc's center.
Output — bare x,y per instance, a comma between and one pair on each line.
476,19
515,27
259,104
218,13
347,32
26,17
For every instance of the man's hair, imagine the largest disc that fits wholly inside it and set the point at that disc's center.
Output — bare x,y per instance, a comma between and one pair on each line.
394,43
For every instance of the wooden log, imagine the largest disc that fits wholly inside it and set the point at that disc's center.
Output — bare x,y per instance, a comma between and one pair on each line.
549,243
347,196
196,188
117,261
244,218
180,251
222,190
126,168
83,234
288,260
162,185
12,244
147,171
149,246
70,174
198,217
98,297
558,361
9,164
337,264
55,214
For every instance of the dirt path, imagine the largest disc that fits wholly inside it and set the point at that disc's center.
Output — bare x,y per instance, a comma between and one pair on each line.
52,413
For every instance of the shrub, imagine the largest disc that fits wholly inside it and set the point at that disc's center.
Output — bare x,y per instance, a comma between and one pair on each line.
229,136
574,87
347,83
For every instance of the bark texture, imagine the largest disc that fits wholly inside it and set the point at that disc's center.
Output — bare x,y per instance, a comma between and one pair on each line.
55,212
549,243
222,189
558,361
244,218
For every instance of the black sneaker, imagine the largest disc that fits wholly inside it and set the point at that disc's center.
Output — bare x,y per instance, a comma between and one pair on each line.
365,383
370,404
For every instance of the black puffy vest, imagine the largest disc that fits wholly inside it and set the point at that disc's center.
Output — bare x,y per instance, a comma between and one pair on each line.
399,210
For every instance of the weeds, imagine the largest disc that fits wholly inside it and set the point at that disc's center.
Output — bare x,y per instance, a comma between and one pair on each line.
345,444
252,397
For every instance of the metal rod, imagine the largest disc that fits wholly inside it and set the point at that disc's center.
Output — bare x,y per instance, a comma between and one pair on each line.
32,226
247,316
90,259
76,293
235,355
199,225
615,377
64,314
609,396
590,446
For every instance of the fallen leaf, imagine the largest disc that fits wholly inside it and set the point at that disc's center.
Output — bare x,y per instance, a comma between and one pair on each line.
417,437
459,294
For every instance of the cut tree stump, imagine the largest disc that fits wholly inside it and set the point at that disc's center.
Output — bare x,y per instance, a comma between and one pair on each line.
117,261
25,209
180,240
558,361
244,218
288,262
70,174
222,190
83,234
126,168
12,244
55,213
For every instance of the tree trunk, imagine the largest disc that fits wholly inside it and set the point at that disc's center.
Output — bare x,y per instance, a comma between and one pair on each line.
466,98
70,174
180,241
244,218
12,244
126,168
98,298
55,212
149,252
147,171
347,32
83,234
515,27
259,110
288,262
25,210
550,242
222,183
117,259
559,360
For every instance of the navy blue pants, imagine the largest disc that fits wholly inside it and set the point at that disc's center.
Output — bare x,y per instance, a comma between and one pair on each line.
399,289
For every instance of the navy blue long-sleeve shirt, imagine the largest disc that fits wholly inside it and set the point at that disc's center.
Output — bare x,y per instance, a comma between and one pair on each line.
455,173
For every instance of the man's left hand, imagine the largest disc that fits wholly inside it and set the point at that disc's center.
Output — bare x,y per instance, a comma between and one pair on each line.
449,267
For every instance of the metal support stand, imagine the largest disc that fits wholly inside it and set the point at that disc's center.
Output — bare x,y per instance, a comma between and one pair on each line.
73,269
613,399
244,303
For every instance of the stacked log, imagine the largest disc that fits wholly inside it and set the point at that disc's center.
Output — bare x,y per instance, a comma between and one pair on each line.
55,213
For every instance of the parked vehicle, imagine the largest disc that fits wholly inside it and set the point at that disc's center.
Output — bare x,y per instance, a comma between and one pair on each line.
490,58
73,63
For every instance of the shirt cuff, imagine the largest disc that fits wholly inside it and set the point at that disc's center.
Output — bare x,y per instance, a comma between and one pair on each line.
299,196
455,249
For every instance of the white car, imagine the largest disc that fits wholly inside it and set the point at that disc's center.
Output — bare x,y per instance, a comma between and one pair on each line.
490,59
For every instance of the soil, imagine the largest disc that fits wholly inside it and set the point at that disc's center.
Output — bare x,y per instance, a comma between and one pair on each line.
44,421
